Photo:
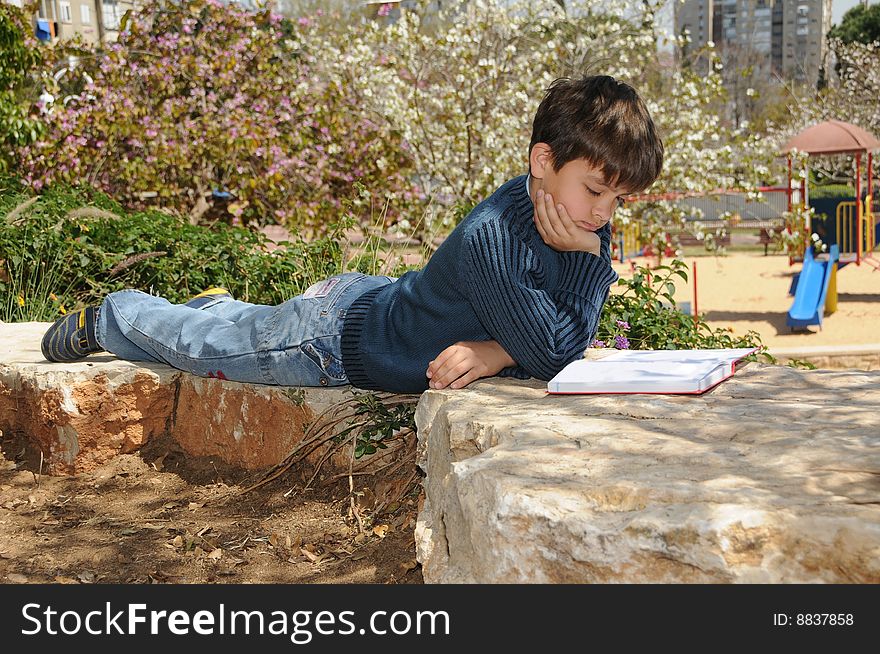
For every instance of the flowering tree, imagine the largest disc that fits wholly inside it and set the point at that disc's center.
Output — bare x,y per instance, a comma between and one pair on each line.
850,96
462,91
201,96
859,81
431,107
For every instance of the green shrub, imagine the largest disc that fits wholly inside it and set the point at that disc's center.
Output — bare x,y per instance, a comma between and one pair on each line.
644,317
69,247
19,57
832,191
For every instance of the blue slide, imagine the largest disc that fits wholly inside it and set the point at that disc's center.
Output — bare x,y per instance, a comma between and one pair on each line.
812,287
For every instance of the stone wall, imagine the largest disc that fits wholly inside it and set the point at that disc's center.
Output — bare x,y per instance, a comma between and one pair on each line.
773,476
82,414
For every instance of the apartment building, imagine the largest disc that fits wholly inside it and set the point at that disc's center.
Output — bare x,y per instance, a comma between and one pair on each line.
803,25
96,20
695,18
785,37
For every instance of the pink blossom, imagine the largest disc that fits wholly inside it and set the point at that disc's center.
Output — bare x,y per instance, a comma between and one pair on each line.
385,9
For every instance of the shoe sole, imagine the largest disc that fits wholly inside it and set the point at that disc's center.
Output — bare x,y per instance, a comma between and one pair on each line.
66,340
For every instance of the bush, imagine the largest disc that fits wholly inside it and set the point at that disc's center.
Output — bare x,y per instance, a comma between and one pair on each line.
19,57
644,317
832,191
69,247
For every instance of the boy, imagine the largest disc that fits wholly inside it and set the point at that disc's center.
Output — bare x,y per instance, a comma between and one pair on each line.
515,290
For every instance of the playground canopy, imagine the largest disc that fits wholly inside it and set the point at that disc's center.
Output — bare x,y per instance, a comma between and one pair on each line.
832,137
838,137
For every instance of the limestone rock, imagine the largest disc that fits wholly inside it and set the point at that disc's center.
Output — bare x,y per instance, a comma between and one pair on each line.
83,413
837,357
773,476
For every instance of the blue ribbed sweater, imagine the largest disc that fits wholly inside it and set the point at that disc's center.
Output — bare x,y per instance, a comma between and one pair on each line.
493,278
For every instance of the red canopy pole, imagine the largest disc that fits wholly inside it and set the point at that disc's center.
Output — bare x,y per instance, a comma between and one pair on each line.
803,203
788,198
870,186
788,186
858,208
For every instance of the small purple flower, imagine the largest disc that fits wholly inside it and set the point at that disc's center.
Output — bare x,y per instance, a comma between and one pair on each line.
598,343
621,342
623,324
385,9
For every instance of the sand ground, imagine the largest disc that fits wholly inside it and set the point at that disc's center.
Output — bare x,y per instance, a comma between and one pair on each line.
750,291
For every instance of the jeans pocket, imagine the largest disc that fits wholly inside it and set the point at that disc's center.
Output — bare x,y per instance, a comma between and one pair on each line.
329,364
345,280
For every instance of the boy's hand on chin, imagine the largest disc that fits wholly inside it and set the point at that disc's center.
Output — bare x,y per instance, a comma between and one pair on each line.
460,364
559,231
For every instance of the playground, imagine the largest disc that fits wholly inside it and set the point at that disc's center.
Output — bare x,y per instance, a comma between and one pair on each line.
816,296
750,291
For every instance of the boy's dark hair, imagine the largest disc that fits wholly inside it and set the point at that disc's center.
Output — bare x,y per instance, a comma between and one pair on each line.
604,121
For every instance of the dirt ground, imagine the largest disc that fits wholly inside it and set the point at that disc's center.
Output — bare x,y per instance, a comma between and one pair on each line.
160,517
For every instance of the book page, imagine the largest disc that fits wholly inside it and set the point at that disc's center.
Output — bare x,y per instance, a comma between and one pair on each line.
718,355
648,371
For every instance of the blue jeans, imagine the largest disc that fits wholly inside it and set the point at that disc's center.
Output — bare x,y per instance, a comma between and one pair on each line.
296,343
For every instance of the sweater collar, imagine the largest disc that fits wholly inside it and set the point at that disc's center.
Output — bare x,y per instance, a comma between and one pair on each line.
521,197
523,208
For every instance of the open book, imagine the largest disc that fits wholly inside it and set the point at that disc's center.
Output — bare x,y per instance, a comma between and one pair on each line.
649,371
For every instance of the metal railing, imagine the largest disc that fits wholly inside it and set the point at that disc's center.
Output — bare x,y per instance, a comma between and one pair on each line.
847,231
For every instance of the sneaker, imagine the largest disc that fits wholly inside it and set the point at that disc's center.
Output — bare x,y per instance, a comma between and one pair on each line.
203,298
72,337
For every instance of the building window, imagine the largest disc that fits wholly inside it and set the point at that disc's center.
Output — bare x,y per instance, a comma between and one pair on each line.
85,15
64,9
803,10
112,14
803,31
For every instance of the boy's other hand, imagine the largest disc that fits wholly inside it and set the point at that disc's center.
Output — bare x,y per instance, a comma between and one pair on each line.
559,231
460,364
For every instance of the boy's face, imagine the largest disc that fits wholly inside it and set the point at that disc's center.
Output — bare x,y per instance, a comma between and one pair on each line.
579,186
